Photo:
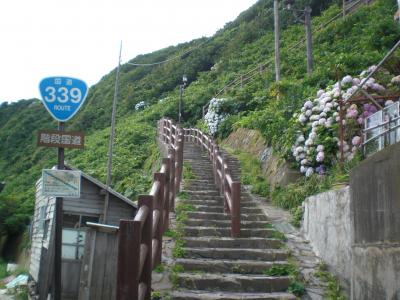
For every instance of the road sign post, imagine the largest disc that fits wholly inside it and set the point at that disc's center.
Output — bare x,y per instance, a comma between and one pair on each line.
62,97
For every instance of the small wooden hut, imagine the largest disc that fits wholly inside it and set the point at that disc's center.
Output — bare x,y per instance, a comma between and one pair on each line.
89,244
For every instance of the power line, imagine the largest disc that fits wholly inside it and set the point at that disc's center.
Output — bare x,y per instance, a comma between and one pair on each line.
240,78
172,58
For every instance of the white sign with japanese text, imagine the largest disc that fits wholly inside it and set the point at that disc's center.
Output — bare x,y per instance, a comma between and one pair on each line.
61,183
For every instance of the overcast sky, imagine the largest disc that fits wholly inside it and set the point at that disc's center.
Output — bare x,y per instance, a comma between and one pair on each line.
81,38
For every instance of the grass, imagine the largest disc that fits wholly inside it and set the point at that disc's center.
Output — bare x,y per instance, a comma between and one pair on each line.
176,269
181,209
159,268
3,269
251,172
280,270
183,195
279,236
291,270
333,290
187,172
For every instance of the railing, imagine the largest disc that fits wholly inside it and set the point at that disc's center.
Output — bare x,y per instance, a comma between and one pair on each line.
229,189
381,129
140,239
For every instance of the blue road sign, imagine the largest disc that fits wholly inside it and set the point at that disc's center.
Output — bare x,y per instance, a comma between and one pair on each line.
63,96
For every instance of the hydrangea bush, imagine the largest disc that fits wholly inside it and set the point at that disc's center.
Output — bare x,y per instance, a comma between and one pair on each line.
215,116
317,144
140,105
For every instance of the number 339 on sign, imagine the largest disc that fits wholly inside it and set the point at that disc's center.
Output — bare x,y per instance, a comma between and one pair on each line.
63,96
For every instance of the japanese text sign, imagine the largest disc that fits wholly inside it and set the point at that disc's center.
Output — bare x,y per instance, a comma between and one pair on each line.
61,139
61,183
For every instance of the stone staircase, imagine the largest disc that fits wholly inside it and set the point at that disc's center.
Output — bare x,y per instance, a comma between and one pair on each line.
215,265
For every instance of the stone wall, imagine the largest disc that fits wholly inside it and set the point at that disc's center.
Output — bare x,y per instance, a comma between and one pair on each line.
326,225
275,169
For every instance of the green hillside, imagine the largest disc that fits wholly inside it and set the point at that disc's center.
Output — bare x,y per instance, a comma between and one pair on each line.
351,44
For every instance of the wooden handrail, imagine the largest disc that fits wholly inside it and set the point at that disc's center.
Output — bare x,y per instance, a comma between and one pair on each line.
140,239
228,188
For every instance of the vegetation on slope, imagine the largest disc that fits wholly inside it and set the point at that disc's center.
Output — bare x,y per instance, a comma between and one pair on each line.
354,43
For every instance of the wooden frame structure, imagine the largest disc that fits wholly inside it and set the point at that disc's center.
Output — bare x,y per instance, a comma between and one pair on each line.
140,239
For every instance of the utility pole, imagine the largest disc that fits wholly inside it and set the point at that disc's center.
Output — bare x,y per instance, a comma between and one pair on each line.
111,142
277,41
307,22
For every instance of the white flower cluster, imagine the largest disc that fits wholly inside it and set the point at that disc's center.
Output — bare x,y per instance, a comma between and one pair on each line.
140,105
323,112
214,116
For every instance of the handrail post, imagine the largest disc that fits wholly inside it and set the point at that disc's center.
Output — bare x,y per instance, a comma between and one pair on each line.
216,166
129,236
235,213
181,145
170,132
222,183
147,200
159,205
167,163
172,155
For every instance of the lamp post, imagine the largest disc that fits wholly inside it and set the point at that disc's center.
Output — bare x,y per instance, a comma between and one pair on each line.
307,23
182,87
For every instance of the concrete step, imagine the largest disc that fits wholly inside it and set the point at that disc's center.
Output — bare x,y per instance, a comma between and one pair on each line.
220,208
237,243
223,216
212,192
221,231
202,295
205,197
199,185
227,266
233,253
209,208
212,202
225,223
233,282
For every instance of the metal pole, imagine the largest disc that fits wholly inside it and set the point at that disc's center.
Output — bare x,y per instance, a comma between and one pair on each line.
180,104
309,40
111,142
58,228
277,39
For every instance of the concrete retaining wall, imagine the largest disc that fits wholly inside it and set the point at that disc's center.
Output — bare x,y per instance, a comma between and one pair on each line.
327,226
375,212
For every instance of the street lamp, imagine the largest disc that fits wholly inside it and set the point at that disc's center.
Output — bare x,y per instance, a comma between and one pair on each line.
306,13
182,87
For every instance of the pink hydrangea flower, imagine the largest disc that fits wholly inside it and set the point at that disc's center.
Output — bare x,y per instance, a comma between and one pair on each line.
356,140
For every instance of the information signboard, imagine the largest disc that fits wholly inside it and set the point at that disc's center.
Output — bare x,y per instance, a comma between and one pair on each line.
61,183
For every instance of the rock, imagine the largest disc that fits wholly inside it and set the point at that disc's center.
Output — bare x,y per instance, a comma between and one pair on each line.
277,172
11,267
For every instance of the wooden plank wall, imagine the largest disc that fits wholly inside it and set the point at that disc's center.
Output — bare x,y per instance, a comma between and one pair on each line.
37,233
98,274
91,202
